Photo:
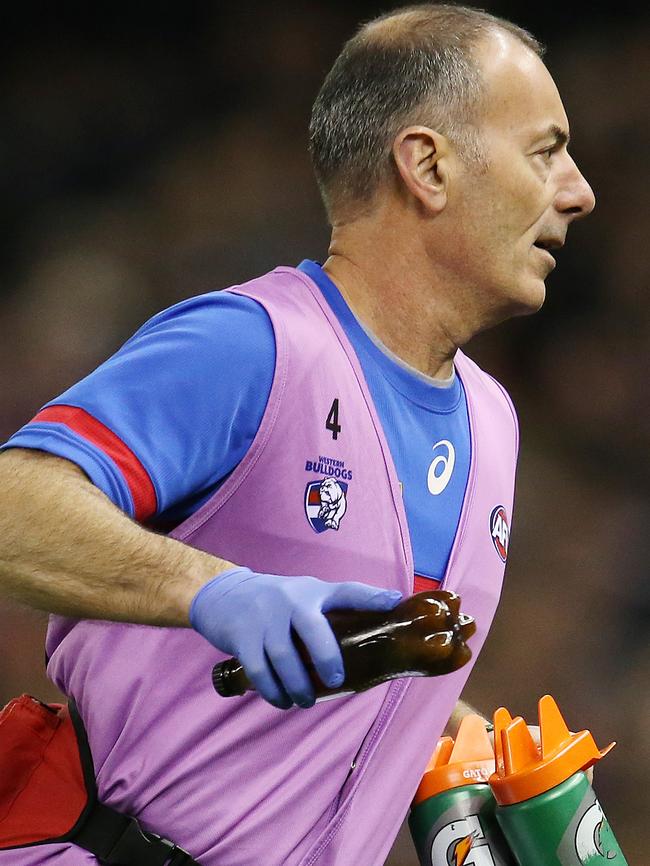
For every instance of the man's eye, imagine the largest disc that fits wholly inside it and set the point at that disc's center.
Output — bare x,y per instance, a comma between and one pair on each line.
548,153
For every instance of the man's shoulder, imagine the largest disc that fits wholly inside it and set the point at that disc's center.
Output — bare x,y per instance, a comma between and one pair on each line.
242,303
296,308
216,304
209,322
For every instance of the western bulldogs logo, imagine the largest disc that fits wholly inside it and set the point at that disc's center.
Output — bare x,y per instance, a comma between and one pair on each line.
500,531
325,503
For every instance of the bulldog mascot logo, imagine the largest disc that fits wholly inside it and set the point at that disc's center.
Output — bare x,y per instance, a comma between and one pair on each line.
325,503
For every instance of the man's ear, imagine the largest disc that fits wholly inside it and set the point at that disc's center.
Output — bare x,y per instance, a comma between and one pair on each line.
423,159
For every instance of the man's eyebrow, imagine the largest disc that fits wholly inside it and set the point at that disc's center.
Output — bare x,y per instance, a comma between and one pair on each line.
556,132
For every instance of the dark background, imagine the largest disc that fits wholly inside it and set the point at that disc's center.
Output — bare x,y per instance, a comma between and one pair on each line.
152,153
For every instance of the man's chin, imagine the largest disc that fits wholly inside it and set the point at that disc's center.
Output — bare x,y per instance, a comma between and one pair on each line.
518,300
530,298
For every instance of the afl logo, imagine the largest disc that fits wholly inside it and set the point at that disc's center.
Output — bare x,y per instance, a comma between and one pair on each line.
500,531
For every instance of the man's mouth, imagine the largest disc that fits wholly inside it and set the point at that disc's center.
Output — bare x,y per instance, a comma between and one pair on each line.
549,243
545,244
546,255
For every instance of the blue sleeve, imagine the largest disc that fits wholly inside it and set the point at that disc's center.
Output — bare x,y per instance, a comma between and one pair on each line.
159,424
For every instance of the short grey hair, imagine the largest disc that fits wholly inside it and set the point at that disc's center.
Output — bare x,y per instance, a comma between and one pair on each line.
411,66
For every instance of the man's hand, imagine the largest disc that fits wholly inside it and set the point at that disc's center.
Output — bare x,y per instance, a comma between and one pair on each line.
251,615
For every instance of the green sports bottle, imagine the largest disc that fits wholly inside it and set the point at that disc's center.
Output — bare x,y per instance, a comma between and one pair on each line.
452,817
546,808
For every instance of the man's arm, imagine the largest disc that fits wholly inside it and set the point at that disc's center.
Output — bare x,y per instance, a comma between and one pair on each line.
65,548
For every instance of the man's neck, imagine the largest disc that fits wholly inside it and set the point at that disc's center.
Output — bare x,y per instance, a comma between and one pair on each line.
401,306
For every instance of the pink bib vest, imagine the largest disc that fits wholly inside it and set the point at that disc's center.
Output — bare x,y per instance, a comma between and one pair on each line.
235,781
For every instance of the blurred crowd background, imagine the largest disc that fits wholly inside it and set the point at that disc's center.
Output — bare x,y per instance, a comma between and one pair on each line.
154,153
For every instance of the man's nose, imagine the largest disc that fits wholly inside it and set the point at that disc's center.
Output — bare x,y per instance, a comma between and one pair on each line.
575,197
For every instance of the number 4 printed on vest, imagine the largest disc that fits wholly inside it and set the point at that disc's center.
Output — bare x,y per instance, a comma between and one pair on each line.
332,422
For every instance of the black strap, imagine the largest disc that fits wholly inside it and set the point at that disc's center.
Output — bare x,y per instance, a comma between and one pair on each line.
113,838
120,841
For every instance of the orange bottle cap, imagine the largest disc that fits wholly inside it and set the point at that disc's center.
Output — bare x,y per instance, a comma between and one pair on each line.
524,769
467,761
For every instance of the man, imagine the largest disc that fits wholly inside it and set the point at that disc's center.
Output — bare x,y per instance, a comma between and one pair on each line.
440,145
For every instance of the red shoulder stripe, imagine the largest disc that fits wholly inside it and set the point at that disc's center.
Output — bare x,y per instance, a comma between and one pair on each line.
135,475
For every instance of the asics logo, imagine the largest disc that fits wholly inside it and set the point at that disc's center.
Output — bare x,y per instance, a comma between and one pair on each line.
441,468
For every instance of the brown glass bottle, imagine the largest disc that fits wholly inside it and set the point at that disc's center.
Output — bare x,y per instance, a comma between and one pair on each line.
424,636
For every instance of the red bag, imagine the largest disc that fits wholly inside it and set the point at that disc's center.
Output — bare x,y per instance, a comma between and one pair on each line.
48,791
47,784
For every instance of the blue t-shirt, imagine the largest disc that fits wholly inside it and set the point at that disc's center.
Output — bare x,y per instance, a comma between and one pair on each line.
161,424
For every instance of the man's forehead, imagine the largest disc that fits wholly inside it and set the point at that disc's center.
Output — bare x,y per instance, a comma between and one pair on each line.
520,92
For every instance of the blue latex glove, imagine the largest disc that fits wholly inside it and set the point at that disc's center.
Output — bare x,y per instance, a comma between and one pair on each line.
251,615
